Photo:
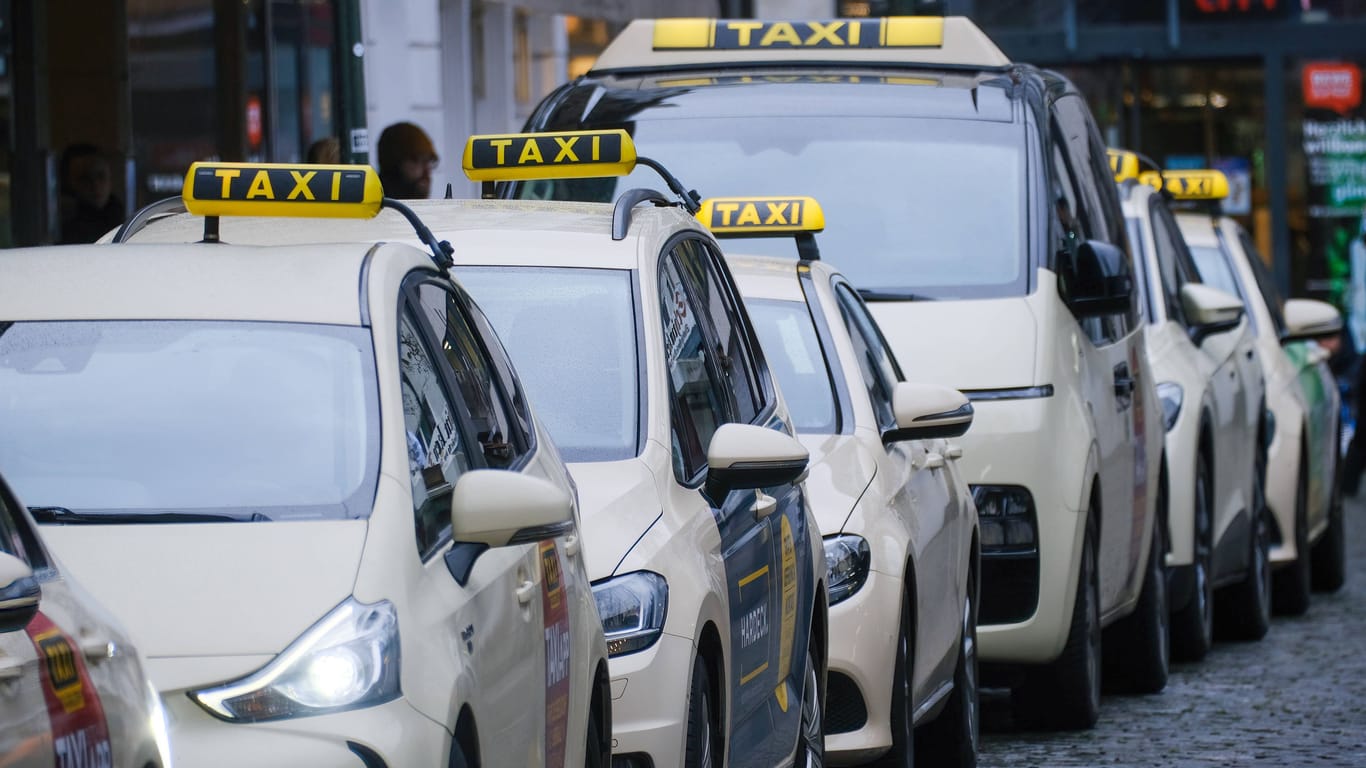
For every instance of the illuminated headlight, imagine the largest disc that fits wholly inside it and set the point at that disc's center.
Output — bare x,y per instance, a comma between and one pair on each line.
348,660
1170,394
632,609
846,566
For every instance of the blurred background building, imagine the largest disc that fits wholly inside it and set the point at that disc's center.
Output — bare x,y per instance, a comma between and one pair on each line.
1267,90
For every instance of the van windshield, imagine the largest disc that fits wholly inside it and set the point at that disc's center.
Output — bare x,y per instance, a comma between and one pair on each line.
188,421
930,207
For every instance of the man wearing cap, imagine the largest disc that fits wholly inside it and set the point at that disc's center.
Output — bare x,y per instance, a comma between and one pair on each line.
406,161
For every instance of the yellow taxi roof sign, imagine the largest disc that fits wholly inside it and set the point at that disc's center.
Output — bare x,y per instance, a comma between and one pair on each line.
281,189
1123,164
555,155
953,41
1188,185
761,216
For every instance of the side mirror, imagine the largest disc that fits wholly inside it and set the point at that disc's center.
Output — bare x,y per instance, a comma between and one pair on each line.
19,593
926,412
744,456
1307,319
1210,310
499,508
1101,283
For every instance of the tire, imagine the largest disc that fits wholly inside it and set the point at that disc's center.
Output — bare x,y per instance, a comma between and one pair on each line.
1065,695
1192,626
1290,585
457,759
952,738
1329,555
700,747
1137,648
1243,611
811,734
592,752
903,751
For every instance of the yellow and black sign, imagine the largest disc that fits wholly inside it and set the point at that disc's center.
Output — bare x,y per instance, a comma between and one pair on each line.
743,34
695,82
1188,185
61,669
761,216
1123,164
271,189
561,155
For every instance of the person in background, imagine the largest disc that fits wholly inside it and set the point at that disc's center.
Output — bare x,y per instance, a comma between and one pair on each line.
326,150
406,161
89,207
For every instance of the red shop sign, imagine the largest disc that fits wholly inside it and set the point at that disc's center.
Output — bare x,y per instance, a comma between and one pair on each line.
1334,86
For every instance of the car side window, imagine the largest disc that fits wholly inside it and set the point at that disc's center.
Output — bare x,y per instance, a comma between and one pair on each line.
489,415
1174,261
523,429
437,456
877,366
15,537
1266,284
698,403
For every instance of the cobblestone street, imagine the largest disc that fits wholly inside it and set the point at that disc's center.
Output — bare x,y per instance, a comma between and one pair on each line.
1297,698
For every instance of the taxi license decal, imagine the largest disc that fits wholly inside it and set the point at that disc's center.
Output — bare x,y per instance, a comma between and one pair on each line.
693,82
788,628
1124,165
740,34
80,733
1188,185
761,215
560,155
555,611
271,189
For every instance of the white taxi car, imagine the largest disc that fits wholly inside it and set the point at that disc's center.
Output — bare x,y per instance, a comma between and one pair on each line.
1306,538
628,334
901,544
72,691
1031,316
1210,383
309,481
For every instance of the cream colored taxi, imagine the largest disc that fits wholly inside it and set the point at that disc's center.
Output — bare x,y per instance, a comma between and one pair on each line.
1305,536
900,526
308,479
971,203
1210,383
72,690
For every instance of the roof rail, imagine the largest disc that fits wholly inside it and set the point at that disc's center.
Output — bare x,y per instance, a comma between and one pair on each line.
144,215
621,212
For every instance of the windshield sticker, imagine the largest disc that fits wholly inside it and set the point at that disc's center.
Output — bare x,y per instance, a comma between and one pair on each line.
80,735
679,324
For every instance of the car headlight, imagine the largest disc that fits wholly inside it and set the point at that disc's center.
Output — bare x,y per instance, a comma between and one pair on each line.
1169,392
348,660
846,566
632,609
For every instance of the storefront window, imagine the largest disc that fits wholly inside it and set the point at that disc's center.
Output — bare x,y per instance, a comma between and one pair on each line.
6,132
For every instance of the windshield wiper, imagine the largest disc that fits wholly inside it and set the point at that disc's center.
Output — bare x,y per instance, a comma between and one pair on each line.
64,516
873,294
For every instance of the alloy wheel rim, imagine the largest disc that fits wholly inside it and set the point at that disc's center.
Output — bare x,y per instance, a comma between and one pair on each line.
811,720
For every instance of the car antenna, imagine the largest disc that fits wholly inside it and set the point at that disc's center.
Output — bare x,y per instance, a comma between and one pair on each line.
450,192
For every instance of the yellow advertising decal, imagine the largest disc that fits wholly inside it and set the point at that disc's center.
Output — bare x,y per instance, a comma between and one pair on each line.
744,34
787,630
558,155
273,189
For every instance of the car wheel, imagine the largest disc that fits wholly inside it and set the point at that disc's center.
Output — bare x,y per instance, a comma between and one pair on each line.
902,753
811,739
1192,626
952,738
592,751
1290,584
1065,695
457,759
699,751
1330,551
1137,648
1244,612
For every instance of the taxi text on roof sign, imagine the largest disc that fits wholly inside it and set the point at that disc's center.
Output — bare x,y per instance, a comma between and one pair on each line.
761,216
560,155
271,189
1188,185
736,34
693,82
1123,164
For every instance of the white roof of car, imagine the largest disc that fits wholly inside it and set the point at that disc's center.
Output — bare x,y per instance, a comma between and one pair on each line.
766,277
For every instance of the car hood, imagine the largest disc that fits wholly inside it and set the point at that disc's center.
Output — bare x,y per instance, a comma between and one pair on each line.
839,472
227,594
618,502
963,344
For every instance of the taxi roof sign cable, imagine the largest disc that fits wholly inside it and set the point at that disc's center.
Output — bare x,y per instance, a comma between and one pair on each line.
214,190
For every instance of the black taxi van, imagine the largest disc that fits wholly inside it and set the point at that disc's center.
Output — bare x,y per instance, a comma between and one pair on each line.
969,199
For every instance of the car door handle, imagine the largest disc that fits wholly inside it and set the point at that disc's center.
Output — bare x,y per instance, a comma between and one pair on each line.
764,505
526,592
954,452
11,668
571,545
931,460
97,649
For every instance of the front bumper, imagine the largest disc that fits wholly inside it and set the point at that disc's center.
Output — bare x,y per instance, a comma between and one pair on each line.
863,636
394,732
650,700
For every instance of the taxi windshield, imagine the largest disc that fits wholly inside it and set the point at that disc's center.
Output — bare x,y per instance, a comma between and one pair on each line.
793,351
930,207
184,421
572,335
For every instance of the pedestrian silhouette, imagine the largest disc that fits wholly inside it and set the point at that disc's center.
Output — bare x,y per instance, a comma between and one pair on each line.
88,208
326,150
406,161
